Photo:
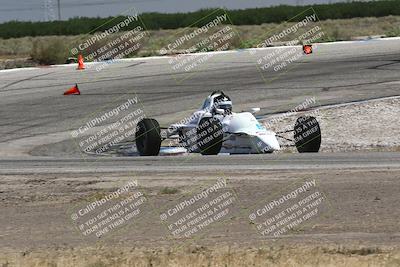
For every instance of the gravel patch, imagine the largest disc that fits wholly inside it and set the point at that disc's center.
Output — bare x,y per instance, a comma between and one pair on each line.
370,125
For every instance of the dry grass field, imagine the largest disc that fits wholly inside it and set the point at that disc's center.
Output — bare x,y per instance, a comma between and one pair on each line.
28,51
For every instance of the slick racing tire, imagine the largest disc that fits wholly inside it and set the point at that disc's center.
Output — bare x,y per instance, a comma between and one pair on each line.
209,136
148,138
307,135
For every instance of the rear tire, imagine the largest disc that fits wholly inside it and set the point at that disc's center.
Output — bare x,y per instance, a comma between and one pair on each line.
210,136
307,135
148,138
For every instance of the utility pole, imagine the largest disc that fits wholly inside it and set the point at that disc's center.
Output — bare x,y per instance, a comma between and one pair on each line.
59,10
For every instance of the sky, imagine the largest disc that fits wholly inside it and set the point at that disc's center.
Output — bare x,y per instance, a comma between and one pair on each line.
45,10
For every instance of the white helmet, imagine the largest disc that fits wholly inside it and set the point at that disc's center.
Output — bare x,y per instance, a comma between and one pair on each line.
222,101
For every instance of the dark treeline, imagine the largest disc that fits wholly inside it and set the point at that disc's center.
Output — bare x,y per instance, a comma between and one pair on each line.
155,21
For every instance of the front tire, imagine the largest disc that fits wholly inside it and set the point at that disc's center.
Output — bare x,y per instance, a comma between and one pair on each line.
148,138
210,136
307,135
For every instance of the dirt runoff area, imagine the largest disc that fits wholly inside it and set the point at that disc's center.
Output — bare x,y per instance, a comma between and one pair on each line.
212,256
342,217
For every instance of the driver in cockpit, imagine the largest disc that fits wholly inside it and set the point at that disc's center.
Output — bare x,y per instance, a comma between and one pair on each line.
221,101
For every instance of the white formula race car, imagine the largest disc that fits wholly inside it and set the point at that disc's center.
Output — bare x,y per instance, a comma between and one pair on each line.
215,129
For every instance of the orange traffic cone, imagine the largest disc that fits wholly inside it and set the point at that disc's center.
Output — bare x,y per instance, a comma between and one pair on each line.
307,49
73,91
80,63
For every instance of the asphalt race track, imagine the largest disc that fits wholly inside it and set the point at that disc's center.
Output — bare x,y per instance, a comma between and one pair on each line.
197,163
34,111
